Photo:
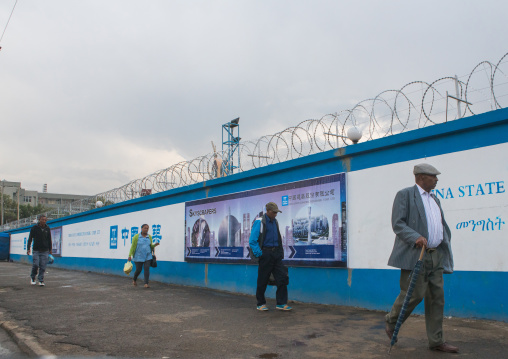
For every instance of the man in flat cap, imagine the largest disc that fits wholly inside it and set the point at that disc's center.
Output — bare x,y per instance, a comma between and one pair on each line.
265,242
418,220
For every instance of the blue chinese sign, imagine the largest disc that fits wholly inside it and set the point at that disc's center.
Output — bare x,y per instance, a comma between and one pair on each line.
113,237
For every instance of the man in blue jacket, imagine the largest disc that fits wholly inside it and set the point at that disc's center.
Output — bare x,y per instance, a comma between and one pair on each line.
266,247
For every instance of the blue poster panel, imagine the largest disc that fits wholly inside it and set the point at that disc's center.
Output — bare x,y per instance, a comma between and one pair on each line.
312,223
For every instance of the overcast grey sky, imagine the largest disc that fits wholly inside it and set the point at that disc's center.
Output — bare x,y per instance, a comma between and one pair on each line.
94,94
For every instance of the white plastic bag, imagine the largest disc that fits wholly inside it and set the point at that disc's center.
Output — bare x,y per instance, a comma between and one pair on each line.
127,268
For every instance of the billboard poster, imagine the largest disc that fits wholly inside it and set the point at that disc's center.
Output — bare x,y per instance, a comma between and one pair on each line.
18,243
56,239
312,223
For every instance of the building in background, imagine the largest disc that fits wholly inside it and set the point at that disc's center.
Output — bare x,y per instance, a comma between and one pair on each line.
33,198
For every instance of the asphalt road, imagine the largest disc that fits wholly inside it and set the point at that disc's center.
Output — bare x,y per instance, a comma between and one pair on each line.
89,314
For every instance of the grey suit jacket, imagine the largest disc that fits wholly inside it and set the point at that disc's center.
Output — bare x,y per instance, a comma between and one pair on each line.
409,222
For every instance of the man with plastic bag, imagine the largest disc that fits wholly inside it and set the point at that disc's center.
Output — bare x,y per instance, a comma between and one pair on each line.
40,234
266,248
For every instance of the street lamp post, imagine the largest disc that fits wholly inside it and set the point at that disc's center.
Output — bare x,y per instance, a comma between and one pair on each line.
19,190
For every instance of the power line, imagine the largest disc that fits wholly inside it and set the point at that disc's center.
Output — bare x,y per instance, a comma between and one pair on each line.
8,20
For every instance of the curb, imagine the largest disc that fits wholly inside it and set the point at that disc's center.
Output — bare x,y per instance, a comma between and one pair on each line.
26,342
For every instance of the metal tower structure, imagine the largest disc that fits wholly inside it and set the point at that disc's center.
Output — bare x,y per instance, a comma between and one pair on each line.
230,142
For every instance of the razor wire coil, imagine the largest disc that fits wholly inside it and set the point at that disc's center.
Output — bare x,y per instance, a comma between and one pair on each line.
415,105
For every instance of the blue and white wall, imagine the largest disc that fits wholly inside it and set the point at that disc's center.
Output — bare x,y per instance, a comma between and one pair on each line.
471,153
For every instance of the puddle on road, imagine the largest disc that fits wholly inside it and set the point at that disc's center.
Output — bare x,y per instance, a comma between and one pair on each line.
269,355
298,343
95,303
4,352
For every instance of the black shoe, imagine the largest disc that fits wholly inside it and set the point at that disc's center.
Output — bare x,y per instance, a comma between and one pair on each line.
447,348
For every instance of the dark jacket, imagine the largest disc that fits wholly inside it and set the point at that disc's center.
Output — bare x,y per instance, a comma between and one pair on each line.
41,237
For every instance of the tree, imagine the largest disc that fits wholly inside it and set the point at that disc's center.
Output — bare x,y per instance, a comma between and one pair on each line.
25,210
10,209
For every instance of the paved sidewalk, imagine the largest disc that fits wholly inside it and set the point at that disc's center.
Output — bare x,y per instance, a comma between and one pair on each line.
88,314
8,347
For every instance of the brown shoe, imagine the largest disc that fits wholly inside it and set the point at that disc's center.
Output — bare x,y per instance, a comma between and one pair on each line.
447,348
389,332
147,286
134,283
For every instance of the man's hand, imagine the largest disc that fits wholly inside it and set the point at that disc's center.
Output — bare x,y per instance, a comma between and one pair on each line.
129,259
156,244
421,241
28,251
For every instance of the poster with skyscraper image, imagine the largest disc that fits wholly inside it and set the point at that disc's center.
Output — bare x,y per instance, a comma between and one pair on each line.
312,223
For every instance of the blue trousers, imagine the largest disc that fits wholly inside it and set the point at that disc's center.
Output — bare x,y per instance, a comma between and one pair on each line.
40,260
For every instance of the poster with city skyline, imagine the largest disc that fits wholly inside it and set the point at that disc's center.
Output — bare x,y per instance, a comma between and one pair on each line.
312,223
56,241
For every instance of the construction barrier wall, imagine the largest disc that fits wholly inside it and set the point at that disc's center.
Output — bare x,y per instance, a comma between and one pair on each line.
471,153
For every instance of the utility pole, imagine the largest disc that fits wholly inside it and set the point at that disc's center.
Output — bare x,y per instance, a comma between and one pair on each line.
458,99
459,112
2,200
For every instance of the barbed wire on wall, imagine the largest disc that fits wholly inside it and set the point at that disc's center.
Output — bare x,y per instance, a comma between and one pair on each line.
415,105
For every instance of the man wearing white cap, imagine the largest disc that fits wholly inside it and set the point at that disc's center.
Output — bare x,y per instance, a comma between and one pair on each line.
418,220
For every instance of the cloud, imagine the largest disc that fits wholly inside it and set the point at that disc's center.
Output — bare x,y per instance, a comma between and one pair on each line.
81,83
87,164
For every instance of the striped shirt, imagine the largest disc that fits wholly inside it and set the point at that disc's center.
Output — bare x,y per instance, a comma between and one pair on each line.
434,220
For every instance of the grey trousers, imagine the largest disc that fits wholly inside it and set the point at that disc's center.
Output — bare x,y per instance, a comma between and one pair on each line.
40,260
429,286
142,265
